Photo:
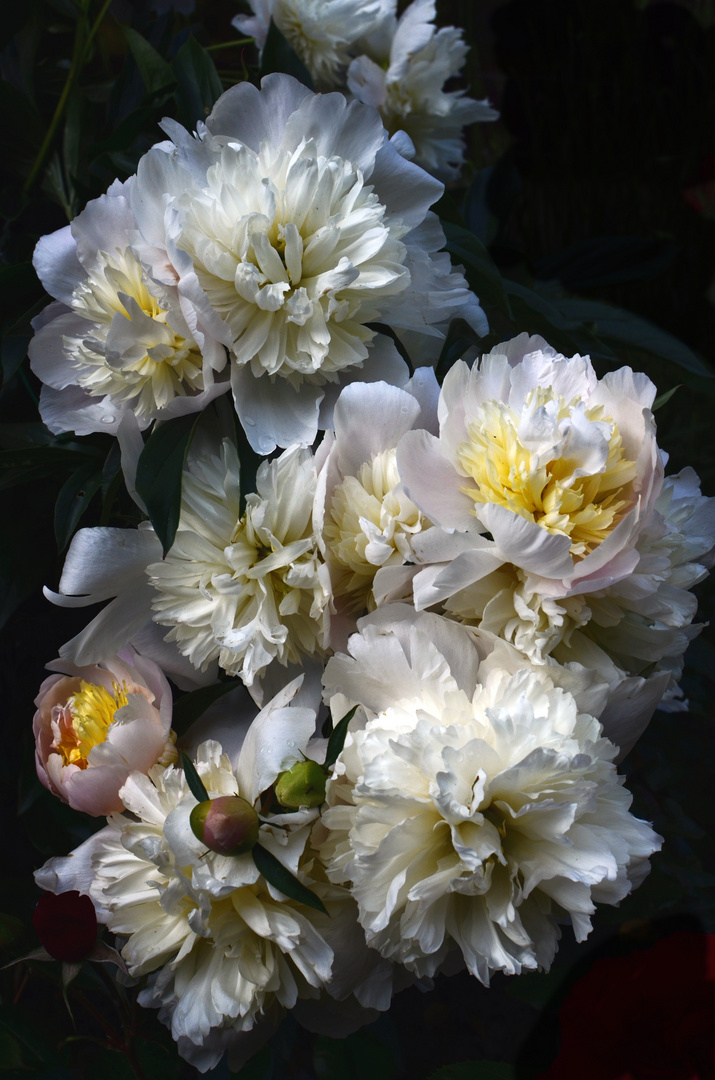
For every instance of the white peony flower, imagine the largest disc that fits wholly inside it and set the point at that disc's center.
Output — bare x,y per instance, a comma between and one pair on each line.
322,32
558,531
404,76
473,808
241,589
123,337
223,948
365,520
245,589
303,227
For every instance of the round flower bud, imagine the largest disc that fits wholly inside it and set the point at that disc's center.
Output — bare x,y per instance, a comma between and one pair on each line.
301,785
66,924
227,825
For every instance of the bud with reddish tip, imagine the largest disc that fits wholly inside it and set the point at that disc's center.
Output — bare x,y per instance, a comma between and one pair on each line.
227,825
301,785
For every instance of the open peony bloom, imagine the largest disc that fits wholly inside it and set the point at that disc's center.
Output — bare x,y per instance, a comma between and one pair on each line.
95,725
365,520
323,33
557,529
121,337
473,807
223,948
403,74
302,226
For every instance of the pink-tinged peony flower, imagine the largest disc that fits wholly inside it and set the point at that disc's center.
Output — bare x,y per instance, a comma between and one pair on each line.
95,725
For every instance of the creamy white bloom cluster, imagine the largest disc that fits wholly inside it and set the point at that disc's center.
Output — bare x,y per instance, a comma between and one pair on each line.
400,65
263,254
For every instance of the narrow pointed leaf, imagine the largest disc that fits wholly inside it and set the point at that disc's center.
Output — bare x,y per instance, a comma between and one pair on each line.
196,784
159,470
279,55
281,878
337,738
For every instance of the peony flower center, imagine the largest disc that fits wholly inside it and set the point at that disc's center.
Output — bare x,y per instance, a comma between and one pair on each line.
134,353
557,463
369,524
85,721
296,253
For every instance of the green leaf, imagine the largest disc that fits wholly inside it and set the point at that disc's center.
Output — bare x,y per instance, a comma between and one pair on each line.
74,498
661,400
617,327
279,55
337,738
481,272
159,470
537,314
354,1058
193,705
199,82
58,457
606,260
460,337
281,878
156,73
196,784
14,351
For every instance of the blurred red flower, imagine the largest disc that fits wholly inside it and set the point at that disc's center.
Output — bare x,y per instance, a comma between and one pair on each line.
646,1016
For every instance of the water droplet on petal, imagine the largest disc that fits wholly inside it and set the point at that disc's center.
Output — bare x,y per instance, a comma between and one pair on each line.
249,421
107,419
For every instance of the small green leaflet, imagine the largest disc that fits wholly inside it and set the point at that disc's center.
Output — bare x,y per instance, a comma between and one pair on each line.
277,875
337,738
196,784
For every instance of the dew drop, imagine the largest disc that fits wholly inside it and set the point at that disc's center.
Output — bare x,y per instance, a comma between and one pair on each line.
107,419
249,421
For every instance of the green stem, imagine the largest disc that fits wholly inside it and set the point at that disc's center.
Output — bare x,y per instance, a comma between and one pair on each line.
79,54
229,44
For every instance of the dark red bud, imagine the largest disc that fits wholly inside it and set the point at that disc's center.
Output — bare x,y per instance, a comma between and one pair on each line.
66,924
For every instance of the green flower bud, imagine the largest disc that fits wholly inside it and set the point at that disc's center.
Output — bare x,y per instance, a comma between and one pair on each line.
301,785
227,825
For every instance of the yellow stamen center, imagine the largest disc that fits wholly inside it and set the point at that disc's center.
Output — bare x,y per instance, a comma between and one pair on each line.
548,491
92,710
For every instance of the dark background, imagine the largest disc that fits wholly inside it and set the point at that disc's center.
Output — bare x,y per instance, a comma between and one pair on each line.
598,182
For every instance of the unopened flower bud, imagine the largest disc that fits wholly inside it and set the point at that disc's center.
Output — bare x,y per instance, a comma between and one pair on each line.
301,785
227,825
66,924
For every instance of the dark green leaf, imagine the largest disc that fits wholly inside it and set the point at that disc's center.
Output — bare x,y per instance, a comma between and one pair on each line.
19,287
156,73
478,216
279,55
460,337
191,706
14,351
337,738
616,326
537,314
258,1067
661,400
51,456
281,878
606,260
360,1055
74,497
196,784
199,82
479,267
159,470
